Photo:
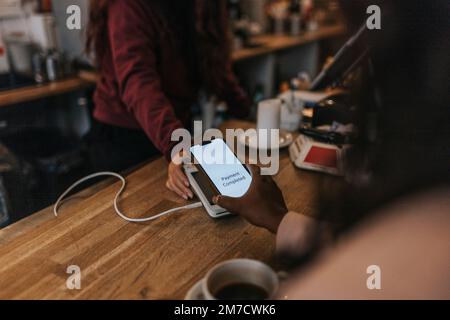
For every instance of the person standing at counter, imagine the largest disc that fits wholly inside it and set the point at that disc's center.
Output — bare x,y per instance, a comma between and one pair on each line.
154,57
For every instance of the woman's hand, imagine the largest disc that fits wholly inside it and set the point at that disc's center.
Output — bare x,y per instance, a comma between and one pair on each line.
263,205
178,182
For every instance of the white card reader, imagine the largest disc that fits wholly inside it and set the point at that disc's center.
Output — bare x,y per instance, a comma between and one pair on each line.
205,192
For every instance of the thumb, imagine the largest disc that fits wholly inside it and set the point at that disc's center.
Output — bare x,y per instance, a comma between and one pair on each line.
255,170
227,203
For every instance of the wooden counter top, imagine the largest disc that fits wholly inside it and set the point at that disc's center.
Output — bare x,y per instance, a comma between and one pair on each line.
271,43
122,260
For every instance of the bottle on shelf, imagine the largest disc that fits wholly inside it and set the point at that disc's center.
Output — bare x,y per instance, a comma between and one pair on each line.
295,17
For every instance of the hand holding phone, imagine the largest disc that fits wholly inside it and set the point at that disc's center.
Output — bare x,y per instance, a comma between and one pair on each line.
217,171
228,175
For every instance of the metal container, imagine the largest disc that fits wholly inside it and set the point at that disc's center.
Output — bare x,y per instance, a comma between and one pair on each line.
39,67
20,55
55,68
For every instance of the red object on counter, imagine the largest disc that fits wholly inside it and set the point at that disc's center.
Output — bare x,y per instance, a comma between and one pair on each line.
322,157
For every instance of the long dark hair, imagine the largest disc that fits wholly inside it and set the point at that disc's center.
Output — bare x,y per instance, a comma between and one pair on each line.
200,26
404,145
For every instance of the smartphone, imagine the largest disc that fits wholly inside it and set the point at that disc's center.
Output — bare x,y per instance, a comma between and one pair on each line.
227,175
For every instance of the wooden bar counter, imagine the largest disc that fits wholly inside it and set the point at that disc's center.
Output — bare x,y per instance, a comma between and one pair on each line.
122,260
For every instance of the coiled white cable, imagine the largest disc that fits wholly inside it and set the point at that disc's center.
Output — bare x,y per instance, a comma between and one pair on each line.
116,199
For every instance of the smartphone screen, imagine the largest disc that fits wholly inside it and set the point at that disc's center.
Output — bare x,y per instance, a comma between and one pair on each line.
224,169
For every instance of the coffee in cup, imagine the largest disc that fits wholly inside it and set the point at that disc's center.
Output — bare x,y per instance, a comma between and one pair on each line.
240,279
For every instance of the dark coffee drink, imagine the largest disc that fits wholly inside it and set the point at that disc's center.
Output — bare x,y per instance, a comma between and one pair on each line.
241,291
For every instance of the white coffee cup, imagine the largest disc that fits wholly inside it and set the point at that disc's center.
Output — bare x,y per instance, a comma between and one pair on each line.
269,114
239,273
291,111
269,119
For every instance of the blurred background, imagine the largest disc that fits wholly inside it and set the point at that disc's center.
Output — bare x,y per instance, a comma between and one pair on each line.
46,84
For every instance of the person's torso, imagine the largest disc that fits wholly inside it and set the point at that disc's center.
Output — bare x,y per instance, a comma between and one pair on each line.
175,67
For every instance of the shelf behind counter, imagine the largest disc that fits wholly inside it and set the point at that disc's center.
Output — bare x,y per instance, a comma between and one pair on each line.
268,44
36,92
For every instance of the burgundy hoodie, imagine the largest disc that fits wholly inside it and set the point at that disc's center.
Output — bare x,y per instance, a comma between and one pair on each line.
145,82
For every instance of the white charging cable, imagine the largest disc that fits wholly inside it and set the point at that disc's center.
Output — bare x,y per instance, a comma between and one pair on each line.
116,199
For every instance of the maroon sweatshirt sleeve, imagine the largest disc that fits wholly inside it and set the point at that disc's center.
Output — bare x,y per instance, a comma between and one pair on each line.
133,44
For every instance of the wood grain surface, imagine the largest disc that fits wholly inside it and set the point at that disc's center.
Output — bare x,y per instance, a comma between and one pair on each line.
122,260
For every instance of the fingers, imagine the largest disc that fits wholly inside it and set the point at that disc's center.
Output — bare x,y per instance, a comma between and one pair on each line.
182,182
255,170
230,204
173,187
182,186
178,182
177,185
180,176
256,174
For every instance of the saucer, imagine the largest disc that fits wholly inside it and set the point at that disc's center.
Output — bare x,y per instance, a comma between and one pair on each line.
195,293
251,141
